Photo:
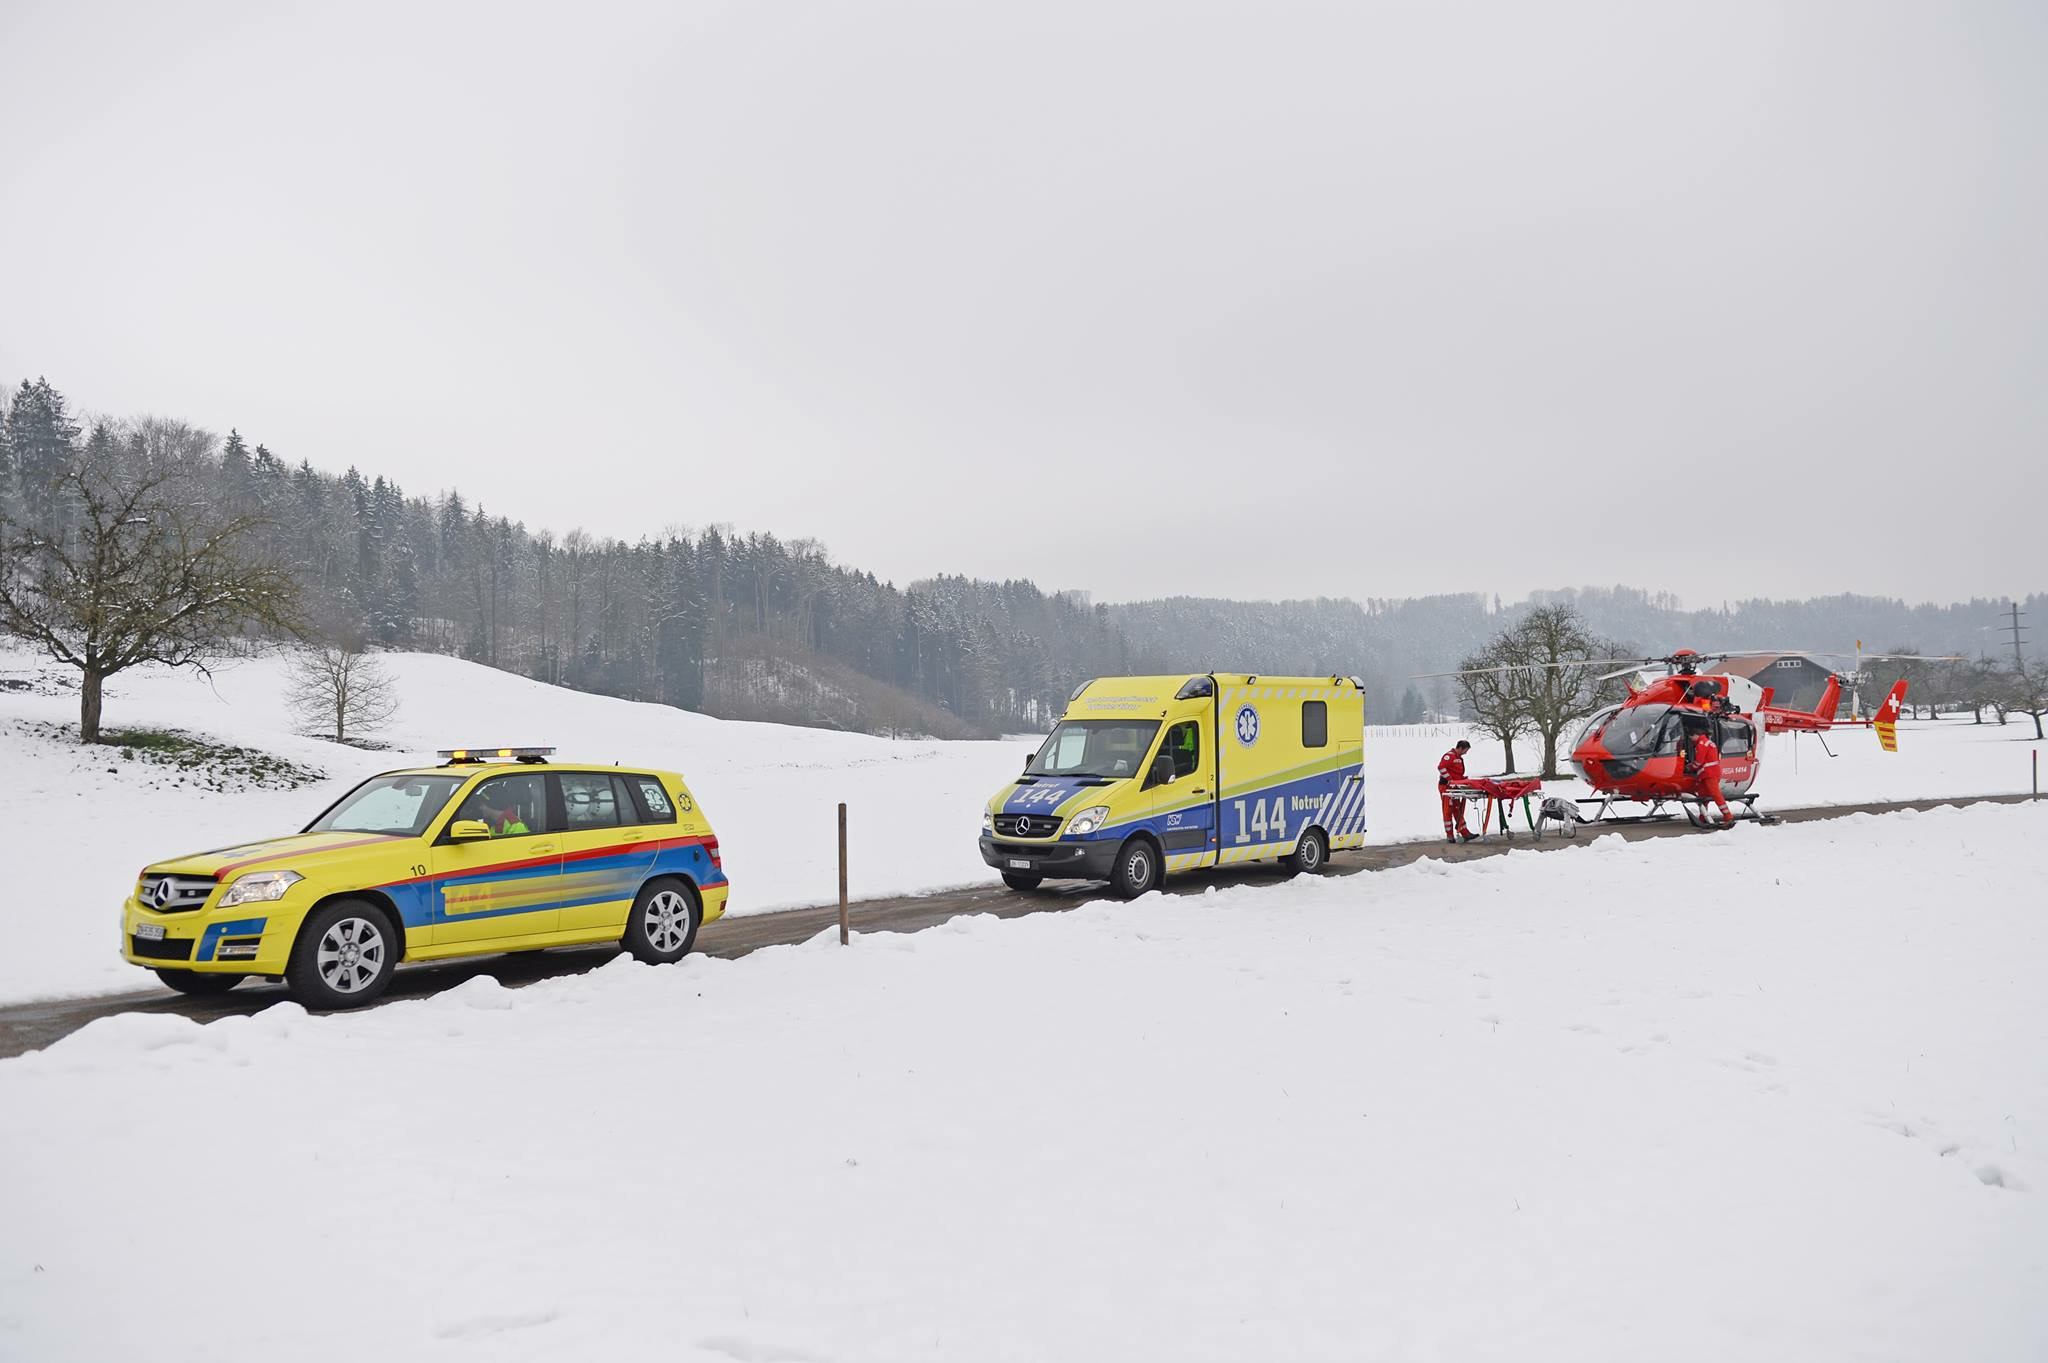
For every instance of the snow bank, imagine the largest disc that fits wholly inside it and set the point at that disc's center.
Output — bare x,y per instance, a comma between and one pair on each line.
82,822
1771,1094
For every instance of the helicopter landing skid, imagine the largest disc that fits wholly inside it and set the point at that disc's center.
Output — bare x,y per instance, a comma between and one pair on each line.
1663,810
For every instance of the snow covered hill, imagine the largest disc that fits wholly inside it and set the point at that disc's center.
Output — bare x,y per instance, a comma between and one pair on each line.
1776,1094
80,822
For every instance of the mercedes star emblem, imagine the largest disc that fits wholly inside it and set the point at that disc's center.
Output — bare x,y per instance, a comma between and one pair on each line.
1023,825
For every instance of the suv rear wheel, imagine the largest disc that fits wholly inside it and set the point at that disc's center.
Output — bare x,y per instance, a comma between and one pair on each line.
663,924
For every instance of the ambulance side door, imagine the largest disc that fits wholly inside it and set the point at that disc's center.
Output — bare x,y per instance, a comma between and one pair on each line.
1182,782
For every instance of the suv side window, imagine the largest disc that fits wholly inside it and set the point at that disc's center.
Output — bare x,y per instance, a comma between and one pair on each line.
512,805
589,800
654,802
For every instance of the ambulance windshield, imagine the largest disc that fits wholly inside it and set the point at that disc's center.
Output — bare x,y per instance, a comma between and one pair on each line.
1112,748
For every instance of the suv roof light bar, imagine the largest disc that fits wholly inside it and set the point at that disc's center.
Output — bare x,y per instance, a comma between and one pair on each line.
466,756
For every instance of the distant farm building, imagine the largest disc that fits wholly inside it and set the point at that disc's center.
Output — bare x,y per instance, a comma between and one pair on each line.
1794,680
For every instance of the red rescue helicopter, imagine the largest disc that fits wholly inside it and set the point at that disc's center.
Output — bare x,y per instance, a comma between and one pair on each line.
1636,752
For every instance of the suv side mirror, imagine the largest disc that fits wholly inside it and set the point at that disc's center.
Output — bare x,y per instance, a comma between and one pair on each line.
1161,773
464,829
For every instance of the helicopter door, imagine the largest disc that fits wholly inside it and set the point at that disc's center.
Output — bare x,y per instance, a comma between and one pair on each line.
1737,741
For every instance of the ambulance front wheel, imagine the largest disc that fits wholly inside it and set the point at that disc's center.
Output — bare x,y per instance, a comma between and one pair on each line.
1137,869
1020,880
1311,854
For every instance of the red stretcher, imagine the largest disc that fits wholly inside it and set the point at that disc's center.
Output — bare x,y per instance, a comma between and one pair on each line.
1500,793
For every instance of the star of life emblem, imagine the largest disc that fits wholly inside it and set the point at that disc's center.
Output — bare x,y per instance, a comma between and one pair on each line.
1247,726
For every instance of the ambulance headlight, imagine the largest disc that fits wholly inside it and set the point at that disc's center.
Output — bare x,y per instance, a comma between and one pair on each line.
261,888
988,821
1088,820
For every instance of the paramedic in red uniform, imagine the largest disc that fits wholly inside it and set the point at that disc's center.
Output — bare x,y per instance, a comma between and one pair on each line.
1706,758
1450,768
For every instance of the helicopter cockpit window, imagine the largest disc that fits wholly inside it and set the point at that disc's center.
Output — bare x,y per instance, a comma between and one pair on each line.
1641,731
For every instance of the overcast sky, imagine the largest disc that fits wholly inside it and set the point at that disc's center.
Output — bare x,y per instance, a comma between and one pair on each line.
1251,300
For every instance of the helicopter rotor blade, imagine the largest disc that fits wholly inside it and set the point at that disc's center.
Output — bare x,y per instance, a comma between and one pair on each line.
1530,667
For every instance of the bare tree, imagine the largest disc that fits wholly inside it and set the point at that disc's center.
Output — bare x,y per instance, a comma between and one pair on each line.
1560,680
1982,685
134,566
1539,677
1492,695
2027,688
342,688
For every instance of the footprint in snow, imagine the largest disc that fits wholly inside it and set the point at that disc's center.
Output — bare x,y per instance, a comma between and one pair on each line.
478,1326
752,1351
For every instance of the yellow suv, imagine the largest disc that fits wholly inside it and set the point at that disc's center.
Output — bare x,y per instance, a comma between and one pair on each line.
495,850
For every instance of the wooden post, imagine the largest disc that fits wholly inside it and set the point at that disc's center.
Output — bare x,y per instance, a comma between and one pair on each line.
843,936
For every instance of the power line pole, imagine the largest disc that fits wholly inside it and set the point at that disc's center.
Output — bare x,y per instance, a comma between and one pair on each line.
2016,629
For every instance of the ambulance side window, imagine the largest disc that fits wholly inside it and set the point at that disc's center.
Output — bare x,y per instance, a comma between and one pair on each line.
1184,745
1315,724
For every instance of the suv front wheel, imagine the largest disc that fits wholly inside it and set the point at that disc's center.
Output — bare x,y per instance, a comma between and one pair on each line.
345,955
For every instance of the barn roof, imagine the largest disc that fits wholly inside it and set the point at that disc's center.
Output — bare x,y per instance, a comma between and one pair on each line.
1750,667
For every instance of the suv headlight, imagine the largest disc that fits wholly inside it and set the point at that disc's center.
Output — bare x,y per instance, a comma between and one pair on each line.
1088,820
260,888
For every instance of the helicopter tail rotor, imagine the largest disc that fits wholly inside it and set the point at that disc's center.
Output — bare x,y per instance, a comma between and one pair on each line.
1830,698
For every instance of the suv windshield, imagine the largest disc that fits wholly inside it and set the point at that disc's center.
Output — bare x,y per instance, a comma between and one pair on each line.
1112,748
402,805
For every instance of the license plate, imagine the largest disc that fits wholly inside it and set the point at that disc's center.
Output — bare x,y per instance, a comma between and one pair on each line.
1018,864
149,932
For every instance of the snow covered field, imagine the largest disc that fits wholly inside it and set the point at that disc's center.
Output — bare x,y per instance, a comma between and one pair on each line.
80,823
1776,1094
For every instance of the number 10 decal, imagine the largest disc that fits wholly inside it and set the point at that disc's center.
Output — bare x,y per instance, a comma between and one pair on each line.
1260,825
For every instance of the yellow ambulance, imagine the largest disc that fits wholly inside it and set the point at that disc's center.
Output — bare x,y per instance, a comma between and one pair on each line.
1145,775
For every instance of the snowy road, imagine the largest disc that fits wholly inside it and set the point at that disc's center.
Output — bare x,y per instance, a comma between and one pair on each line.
30,1026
